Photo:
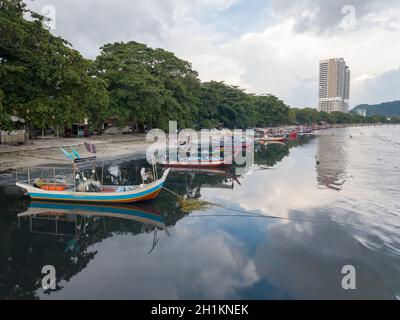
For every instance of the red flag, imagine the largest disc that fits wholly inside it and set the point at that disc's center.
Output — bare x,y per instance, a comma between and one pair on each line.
90,147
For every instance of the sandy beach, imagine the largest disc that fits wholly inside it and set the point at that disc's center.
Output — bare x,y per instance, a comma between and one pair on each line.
43,152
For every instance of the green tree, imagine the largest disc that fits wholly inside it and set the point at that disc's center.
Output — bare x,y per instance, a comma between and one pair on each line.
43,79
148,86
226,105
270,111
4,117
306,116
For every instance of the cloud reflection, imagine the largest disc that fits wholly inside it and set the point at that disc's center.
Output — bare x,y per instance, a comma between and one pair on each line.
192,263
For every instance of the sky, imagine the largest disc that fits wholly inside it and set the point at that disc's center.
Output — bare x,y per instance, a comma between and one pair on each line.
263,46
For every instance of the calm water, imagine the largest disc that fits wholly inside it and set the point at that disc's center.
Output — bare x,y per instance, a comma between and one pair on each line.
350,201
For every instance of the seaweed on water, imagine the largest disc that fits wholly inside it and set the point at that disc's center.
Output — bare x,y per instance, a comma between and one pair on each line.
189,205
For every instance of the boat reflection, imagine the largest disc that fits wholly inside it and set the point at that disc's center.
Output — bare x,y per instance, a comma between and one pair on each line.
83,223
226,179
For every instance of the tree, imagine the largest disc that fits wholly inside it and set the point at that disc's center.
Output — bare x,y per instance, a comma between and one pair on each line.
43,79
226,105
148,86
270,111
5,122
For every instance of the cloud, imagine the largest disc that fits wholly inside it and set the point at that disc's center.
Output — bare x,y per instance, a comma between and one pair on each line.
325,16
287,191
89,24
384,87
280,61
195,262
307,263
274,50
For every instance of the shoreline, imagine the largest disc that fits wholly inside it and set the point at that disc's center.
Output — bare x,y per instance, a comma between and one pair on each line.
47,152
40,152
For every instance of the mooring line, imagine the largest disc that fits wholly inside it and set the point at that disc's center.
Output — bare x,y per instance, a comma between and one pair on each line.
256,215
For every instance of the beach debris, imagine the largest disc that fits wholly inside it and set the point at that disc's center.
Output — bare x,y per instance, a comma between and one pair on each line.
189,205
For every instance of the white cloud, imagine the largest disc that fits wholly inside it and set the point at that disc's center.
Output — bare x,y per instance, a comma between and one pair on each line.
205,258
374,90
280,58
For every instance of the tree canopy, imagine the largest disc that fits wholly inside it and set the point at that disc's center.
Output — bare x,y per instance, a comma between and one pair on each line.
148,85
42,78
225,105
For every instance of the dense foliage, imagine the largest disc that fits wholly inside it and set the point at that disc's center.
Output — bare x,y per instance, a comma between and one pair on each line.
310,115
50,85
42,78
383,109
148,86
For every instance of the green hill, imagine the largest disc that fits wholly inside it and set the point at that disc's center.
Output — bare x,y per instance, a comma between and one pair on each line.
383,109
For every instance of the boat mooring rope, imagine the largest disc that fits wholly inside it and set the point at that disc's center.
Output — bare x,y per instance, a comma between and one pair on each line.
190,205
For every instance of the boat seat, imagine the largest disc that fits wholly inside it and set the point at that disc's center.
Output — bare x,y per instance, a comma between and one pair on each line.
124,189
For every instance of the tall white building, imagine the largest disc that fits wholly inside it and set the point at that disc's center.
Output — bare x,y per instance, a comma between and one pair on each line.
334,85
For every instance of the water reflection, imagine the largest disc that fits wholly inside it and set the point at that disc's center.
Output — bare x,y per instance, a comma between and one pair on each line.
158,251
332,158
65,235
82,223
306,261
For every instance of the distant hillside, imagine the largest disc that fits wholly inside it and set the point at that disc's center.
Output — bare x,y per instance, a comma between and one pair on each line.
382,109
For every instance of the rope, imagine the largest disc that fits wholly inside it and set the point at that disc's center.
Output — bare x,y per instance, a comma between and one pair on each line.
174,193
249,213
205,203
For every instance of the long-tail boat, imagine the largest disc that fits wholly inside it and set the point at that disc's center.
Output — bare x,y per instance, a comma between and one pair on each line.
84,190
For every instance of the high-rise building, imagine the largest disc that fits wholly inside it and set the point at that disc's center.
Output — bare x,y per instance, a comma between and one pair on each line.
334,85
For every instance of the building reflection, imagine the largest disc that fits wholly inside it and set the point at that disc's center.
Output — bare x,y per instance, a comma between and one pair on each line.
331,160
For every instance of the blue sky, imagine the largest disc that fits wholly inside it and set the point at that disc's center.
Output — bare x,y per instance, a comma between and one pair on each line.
242,17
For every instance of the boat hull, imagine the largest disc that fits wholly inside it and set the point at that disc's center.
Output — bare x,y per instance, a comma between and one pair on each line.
272,140
195,164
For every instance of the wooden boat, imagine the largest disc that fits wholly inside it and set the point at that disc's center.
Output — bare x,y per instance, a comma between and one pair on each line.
105,194
89,190
273,139
196,163
223,171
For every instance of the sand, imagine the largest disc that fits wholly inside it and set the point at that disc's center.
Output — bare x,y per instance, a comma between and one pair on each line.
47,152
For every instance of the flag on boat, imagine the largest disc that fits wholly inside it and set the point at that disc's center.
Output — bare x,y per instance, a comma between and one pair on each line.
67,154
71,155
75,153
90,147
